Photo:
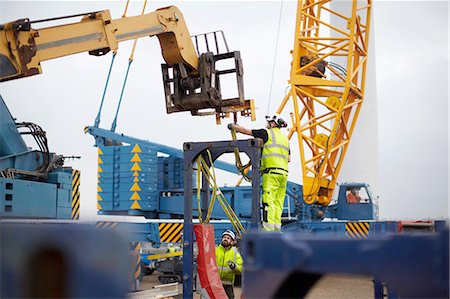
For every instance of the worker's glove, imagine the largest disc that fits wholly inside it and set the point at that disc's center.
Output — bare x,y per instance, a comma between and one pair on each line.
231,264
230,126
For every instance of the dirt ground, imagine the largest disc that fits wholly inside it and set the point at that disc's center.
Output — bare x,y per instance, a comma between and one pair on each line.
330,286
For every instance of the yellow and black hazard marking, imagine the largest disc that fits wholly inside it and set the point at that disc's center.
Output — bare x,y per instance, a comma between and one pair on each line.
99,175
135,248
106,224
357,230
75,194
170,232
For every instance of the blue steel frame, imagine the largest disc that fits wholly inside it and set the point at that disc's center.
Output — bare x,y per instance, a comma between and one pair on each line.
287,265
252,147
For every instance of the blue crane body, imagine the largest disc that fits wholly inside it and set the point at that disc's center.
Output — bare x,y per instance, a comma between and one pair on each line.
158,186
33,183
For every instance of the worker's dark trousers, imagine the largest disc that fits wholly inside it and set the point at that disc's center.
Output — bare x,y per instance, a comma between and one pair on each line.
229,290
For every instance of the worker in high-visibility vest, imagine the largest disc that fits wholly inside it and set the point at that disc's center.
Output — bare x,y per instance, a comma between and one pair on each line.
229,261
274,168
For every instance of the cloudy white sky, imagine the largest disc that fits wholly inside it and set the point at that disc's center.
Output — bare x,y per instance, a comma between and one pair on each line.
412,86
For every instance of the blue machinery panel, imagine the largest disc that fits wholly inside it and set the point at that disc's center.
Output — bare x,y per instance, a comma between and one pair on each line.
339,228
53,198
62,260
411,265
252,148
28,188
134,231
127,178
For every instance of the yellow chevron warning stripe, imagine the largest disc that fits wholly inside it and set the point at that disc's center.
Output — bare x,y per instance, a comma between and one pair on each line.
99,169
75,194
99,160
135,174
357,230
135,196
136,149
135,180
99,150
135,205
135,158
99,207
170,232
136,167
135,187
99,189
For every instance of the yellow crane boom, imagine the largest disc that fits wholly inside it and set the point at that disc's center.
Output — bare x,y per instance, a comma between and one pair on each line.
22,49
191,81
326,97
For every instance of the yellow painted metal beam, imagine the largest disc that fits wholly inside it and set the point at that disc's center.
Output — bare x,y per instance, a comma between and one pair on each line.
164,255
318,43
25,48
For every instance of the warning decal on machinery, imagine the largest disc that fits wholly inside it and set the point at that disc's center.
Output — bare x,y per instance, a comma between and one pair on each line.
170,232
75,194
135,188
357,230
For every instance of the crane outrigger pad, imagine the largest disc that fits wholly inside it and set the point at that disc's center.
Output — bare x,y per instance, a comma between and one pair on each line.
206,261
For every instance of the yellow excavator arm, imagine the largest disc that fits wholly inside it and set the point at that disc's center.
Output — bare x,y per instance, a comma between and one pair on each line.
191,81
22,49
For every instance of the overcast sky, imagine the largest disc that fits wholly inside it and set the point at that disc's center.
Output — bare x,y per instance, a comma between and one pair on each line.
412,87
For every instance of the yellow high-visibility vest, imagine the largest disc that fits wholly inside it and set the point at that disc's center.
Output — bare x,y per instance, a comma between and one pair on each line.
275,152
225,272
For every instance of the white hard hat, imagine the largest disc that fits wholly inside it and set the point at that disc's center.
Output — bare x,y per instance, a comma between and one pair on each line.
230,233
277,119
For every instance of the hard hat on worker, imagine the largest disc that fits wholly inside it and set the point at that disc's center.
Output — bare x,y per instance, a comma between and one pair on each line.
229,233
276,118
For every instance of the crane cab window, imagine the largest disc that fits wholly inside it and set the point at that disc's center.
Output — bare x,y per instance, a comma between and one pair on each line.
356,195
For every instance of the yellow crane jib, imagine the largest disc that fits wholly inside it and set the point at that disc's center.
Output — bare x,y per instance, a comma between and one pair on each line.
195,82
327,87
22,48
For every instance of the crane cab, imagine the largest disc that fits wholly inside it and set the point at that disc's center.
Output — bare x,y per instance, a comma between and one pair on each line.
356,202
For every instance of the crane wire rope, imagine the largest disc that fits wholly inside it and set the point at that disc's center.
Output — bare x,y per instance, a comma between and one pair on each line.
275,56
204,169
130,60
242,169
97,119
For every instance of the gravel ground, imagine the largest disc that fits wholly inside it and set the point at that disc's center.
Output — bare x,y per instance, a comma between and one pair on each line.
330,286
342,286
